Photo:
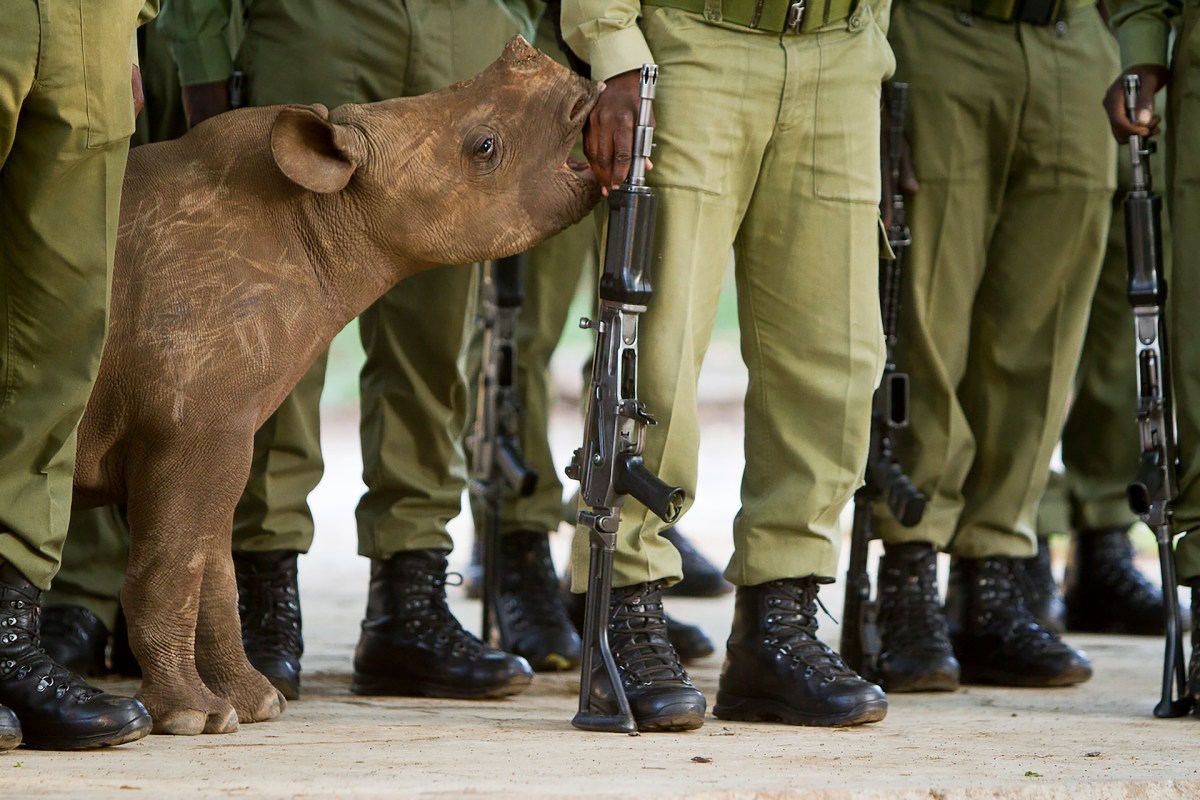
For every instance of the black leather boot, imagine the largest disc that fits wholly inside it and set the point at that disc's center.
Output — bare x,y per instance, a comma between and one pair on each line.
10,729
691,643
777,670
1042,595
701,578
75,638
1106,593
916,654
996,638
411,644
660,693
58,710
531,615
269,606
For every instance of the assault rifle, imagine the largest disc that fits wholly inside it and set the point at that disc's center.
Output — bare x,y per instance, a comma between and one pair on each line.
609,465
1154,489
497,465
885,480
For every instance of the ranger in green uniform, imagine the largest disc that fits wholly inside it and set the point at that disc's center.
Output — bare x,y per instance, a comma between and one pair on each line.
1144,32
66,116
767,141
1016,181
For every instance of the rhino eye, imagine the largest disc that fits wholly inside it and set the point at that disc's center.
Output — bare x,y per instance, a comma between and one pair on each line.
485,148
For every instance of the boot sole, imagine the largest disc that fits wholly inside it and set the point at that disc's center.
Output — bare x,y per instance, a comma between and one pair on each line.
756,709
686,719
928,682
390,687
137,729
1001,678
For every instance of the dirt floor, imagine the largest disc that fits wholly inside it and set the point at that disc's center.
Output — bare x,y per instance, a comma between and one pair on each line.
1094,741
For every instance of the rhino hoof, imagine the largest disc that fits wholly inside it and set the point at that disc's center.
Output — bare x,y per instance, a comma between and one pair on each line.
221,722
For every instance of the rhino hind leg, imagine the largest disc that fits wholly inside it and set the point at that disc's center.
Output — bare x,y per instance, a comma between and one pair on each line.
175,522
220,656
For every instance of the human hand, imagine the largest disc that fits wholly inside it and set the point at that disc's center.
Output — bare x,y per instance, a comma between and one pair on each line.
139,96
608,137
1153,77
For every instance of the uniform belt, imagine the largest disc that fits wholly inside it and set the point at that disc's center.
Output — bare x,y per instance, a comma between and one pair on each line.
772,16
1033,12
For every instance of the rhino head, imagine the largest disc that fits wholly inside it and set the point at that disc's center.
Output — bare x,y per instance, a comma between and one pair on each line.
478,170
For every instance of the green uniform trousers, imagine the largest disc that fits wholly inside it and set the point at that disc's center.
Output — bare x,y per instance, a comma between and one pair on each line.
1100,447
1183,178
66,115
768,144
1015,161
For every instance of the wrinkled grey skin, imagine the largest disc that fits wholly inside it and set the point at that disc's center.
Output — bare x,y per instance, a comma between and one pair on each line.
244,248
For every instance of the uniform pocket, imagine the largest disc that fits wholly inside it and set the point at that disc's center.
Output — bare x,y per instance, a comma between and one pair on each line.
106,36
854,64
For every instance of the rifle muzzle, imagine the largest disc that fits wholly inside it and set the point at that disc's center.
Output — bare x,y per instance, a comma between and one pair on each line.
635,480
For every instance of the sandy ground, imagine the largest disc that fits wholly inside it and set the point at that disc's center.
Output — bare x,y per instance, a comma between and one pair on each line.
1094,741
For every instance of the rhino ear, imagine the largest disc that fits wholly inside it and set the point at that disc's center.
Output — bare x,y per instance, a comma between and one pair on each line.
312,151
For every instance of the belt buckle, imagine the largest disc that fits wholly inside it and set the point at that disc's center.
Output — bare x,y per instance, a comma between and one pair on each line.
795,16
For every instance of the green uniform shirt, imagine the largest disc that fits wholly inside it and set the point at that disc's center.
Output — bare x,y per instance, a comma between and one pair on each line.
1144,29
199,39
605,34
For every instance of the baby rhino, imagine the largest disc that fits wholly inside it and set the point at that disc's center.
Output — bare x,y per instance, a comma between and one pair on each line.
244,248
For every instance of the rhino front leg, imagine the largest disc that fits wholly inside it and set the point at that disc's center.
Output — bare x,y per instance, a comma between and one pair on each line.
173,524
220,656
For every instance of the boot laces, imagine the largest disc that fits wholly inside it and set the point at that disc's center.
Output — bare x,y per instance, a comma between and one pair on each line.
911,616
22,655
1001,604
791,627
638,629
427,615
